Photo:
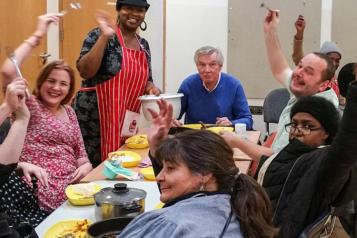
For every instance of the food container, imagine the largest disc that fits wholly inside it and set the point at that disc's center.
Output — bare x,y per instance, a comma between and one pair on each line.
149,101
119,201
127,158
137,142
82,194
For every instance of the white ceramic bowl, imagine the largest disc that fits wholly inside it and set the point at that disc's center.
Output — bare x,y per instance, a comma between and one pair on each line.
149,101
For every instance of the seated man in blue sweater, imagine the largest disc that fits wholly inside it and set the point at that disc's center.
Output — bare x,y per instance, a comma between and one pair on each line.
211,96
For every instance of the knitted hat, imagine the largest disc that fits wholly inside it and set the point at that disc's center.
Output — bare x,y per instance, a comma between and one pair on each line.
330,47
345,76
136,3
322,110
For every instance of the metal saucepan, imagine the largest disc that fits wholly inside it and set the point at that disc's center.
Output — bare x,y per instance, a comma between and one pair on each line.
119,201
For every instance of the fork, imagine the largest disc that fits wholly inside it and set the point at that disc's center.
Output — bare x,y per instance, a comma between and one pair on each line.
11,55
73,5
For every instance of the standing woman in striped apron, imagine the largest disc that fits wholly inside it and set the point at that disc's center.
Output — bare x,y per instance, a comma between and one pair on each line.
116,66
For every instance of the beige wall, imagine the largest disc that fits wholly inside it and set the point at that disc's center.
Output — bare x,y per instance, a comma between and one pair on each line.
344,22
246,49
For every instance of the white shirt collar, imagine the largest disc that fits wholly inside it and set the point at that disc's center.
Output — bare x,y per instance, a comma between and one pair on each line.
219,79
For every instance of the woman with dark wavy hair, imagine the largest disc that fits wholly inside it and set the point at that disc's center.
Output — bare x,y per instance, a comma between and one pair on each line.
205,194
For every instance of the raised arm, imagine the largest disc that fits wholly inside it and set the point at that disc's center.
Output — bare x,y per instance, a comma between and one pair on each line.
14,102
341,160
253,150
298,52
161,123
23,51
278,63
89,64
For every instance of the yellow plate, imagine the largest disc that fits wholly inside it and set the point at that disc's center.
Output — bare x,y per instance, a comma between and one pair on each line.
130,158
81,199
148,173
193,126
137,142
77,227
217,129
159,205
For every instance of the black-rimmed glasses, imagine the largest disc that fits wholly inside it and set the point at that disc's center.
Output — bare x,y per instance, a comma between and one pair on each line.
303,129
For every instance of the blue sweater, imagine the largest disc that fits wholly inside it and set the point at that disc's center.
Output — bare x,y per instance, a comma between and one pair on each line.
227,100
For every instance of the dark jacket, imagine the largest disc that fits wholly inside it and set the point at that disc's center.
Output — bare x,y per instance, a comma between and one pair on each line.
320,177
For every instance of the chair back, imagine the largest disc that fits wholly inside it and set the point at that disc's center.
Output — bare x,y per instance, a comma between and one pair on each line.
273,105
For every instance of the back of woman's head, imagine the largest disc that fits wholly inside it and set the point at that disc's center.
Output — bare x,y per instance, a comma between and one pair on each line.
205,152
322,110
47,70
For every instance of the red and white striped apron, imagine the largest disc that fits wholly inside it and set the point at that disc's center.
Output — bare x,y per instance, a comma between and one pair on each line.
119,94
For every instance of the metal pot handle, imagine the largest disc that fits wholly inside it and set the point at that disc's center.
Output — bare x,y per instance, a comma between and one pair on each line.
133,208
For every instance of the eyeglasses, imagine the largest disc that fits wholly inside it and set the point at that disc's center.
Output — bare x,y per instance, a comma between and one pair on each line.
303,129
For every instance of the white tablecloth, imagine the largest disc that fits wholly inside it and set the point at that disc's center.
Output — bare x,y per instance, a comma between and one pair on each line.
69,212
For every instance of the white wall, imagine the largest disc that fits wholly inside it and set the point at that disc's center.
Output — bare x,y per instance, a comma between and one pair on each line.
190,25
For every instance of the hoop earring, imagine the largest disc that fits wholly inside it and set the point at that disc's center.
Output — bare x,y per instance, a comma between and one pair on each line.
145,26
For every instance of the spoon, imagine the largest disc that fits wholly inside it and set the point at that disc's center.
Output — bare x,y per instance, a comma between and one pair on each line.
73,5
264,5
11,55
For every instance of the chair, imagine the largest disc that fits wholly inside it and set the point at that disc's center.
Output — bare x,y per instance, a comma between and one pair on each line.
273,105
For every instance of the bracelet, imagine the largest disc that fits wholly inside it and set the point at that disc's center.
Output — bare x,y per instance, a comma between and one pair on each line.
35,43
30,43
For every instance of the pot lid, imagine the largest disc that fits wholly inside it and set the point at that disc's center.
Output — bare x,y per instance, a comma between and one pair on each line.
119,195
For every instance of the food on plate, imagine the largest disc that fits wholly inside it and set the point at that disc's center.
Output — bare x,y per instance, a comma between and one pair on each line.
193,126
124,158
82,194
218,129
84,189
69,229
137,142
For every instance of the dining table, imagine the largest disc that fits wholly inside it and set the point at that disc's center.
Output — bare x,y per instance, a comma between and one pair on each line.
242,161
67,211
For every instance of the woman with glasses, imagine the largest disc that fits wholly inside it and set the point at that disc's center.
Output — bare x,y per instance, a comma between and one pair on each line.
314,170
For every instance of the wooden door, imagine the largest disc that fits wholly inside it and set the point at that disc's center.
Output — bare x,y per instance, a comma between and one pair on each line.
75,26
18,20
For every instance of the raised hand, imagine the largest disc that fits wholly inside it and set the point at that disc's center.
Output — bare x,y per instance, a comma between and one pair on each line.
44,22
271,21
300,27
161,123
106,23
15,96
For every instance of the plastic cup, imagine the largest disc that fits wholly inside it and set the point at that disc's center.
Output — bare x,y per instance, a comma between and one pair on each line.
241,130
